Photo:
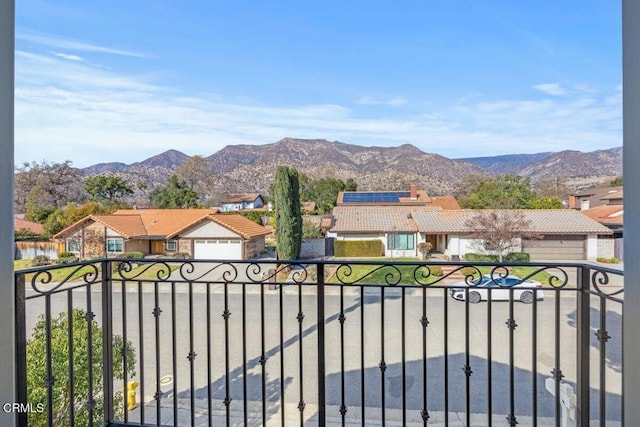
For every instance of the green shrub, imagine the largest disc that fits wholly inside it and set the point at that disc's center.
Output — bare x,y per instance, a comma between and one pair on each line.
469,271
605,260
40,260
67,259
436,270
481,258
134,255
65,254
517,257
358,248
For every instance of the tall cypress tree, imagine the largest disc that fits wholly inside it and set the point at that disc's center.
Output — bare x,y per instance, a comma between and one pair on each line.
288,218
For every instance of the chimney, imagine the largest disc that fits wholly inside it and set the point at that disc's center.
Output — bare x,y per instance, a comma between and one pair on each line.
572,202
413,189
584,205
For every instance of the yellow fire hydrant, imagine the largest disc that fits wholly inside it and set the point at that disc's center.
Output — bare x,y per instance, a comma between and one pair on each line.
132,401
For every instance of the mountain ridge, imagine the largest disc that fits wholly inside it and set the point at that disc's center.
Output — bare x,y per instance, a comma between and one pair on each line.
252,167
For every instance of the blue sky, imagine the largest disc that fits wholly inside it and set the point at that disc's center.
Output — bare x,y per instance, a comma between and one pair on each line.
121,80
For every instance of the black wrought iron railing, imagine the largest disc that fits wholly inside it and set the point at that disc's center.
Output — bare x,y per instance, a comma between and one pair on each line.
175,342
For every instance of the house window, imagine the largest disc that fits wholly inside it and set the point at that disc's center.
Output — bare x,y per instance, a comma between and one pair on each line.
401,242
74,244
171,245
115,245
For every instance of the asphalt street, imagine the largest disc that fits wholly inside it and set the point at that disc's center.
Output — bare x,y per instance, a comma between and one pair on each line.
454,339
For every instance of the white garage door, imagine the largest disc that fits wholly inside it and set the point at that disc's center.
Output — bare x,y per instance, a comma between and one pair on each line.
217,249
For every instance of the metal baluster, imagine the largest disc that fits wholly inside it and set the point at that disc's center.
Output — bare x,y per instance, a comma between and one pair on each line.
489,359
362,366
124,350
300,318
227,382
192,358
245,409
156,314
141,350
209,378
383,365
425,323
342,318
174,353
322,420
72,400
512,325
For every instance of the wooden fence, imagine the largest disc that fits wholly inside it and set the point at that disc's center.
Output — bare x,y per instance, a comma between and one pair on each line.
29,250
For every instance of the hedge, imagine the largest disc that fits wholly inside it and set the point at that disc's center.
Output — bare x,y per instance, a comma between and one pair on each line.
510,257
358,248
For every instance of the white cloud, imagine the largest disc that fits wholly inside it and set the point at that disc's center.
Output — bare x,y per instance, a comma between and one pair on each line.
68,56
58,42
75,110
550,89
392,102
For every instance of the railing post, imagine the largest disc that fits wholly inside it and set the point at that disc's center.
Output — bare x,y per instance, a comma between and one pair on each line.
583,323
321,354
7,288
21,347
107,343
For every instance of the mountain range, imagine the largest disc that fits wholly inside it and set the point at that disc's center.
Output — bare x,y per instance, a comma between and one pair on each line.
252,167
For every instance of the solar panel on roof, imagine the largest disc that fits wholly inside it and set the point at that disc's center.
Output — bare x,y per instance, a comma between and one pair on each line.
374,197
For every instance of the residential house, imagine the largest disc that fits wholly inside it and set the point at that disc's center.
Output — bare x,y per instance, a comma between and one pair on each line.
198,233
596,196
413,197
242,201
21,224
560,234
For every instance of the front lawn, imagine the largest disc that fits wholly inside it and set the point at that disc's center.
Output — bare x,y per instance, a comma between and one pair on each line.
61,273
378,274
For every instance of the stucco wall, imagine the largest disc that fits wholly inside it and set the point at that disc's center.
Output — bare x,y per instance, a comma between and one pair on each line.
606,247
137,246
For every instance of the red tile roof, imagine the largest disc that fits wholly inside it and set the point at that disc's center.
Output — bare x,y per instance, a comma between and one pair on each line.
163,223
22,224
606,214
240,197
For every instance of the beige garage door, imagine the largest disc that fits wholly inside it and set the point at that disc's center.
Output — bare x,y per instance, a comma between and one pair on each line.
555,248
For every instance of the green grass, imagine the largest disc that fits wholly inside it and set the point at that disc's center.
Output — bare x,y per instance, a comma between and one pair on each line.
377,274
59,274
381,274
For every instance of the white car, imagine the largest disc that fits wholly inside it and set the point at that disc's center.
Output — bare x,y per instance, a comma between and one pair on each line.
500,289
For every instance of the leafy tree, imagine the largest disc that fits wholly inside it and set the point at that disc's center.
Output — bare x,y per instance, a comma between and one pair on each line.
288,218
65,216
109,188
255,216
37,371
501,192
547,203
196,173
176,194
324,191
310,230
499,230
47,185
617,181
